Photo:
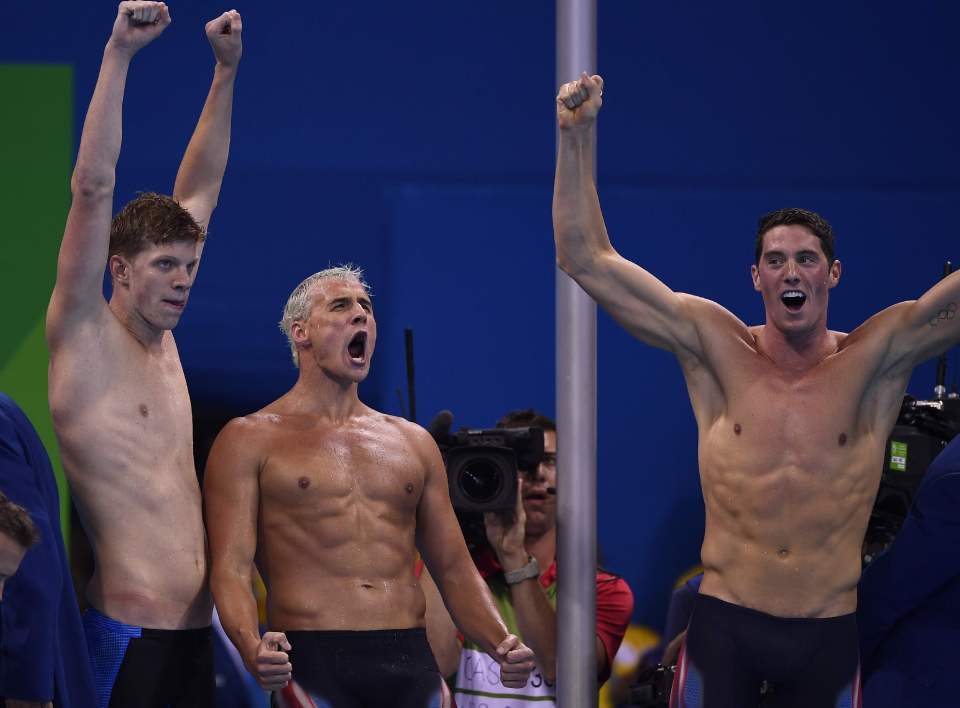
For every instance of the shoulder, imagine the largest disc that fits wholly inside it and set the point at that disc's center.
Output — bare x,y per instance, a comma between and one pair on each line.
879,326
10,422
412,433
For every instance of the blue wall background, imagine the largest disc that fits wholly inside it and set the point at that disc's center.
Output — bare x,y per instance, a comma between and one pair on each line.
418,140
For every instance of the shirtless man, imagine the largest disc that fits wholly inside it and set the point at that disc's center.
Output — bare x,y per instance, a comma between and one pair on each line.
792,419
332,500
117,391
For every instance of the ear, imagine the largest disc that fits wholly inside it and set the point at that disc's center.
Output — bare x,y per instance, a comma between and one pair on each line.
755,275
298,333
119,270
833,277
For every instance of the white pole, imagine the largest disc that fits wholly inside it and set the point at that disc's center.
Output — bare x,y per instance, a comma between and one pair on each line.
576,423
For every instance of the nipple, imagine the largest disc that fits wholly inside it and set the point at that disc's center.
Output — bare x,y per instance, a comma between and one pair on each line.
842,439
736,428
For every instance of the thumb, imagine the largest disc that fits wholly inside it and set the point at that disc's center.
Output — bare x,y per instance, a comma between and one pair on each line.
283,643
508,643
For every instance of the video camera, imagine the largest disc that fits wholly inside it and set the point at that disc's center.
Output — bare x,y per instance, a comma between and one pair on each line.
482,469
923,429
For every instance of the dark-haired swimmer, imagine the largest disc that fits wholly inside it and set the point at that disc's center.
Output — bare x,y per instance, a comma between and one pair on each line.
117,391
331,500
792,419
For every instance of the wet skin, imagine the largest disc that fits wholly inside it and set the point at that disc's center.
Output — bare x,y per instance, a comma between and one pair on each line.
124,423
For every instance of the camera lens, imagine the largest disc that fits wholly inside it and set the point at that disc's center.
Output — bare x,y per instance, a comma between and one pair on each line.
480,480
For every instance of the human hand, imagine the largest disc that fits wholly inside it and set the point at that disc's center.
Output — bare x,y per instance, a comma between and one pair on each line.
223,33
578,102
271,664
138,23
516,662
507,538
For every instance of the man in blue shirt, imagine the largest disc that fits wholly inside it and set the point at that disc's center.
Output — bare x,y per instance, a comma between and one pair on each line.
43,654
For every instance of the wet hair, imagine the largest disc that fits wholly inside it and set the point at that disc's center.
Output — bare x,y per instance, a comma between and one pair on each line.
300,300
152,220
16,523
526,418
817,225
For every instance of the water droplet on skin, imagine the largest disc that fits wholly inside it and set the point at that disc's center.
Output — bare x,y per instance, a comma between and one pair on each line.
409,487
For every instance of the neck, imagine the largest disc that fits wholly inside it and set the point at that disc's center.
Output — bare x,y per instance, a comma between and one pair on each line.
796,350
147,334
317,394
543,547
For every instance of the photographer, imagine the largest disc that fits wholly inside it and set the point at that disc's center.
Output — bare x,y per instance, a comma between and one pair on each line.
519,566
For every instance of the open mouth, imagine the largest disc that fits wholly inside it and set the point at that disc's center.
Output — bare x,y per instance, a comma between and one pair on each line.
536,496
357,348
793,299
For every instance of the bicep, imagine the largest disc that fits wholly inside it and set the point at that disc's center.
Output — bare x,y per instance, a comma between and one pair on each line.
200,207
645,306
438,532
231,499
83,255
930,325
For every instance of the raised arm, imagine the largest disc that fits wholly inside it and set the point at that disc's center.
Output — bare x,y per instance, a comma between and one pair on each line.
78,293
464,593
231,499
197,188
643,305
922,328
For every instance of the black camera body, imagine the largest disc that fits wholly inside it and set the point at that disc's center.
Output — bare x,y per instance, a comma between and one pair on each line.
652,688
923,429
482,469
482,466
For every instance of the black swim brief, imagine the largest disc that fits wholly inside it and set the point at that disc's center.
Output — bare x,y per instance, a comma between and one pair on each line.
732,653
385,668
135,667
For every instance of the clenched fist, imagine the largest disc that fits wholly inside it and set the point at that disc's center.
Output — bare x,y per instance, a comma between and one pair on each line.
271,663
579,102
224,36
516,662
137,24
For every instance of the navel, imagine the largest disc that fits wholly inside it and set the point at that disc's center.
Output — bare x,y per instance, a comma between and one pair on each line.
303,482
144,411
409,487
783,553
842,439
737,429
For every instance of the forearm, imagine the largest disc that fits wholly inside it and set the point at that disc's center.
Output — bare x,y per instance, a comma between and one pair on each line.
95,171
537,622
237,608
203,165
577,220
471,605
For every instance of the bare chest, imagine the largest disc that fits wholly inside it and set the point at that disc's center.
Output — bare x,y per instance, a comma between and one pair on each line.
116,405
317,470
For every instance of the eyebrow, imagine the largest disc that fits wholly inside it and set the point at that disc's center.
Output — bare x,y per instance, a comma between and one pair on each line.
777,252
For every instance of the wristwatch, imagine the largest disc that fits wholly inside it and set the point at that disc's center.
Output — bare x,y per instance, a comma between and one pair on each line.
530,570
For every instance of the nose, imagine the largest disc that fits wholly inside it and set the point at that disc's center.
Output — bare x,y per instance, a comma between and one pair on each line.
359,315
792,271
182,279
